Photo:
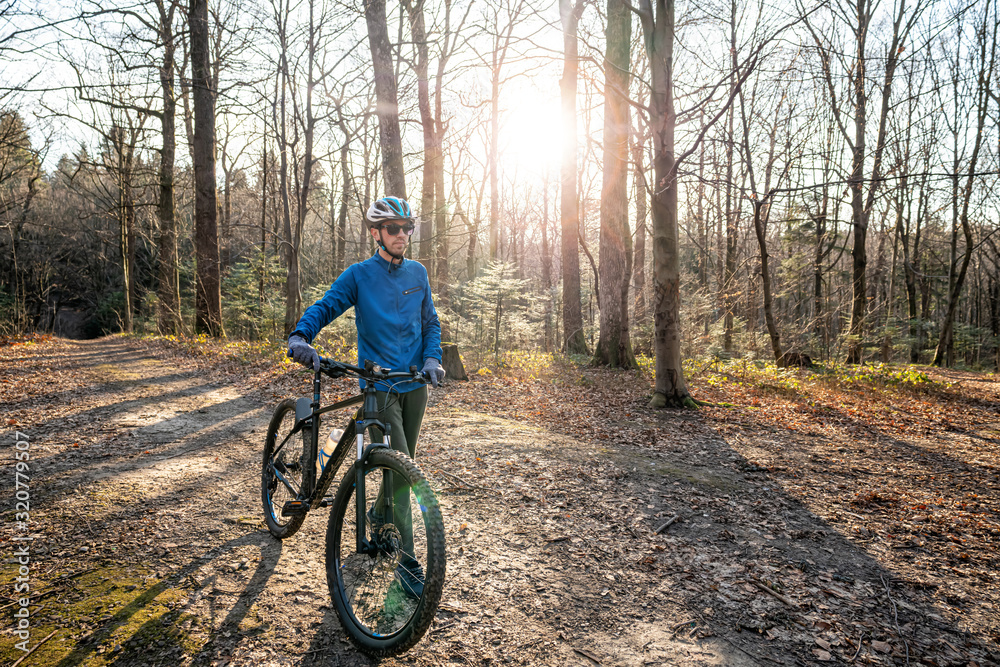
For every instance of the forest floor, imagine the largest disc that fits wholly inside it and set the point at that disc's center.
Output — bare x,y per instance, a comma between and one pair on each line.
821,517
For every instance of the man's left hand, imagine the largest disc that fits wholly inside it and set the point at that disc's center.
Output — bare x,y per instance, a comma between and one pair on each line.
433,370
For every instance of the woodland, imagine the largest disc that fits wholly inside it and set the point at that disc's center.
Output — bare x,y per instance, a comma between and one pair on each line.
780,212
635,181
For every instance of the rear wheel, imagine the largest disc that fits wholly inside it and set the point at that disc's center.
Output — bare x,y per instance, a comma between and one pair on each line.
378,604
281,477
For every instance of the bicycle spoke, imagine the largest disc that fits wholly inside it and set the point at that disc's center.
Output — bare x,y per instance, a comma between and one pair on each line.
373,590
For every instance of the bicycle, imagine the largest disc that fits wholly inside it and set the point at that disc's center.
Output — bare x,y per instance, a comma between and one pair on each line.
369,554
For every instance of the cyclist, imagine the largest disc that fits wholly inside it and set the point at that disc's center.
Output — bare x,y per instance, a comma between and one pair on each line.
398,328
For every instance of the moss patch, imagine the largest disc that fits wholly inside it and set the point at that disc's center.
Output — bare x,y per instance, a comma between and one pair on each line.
101,615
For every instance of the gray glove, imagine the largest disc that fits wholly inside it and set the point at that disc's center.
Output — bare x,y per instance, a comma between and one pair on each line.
433,370
302,352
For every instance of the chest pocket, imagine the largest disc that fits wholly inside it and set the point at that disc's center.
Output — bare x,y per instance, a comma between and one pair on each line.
409,307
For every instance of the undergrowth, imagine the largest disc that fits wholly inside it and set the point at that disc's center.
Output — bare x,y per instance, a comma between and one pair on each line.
731,381
765,376
26,339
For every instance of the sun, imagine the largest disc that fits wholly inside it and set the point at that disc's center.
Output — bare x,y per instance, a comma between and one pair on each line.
531,133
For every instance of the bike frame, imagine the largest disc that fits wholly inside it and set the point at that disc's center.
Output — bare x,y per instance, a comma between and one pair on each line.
369,412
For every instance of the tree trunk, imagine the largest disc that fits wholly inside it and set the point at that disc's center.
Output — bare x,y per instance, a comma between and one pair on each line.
443,296
861,204
168,277
614,347
670,387
227,206
923,283
208,294
387,105
293,307
887,335
342,213
761,213
732,228
546,259
471,234
126,220
441,218
641,212
760,229
264,169
859,219
573,338
287,246
415,12
132,285
819,315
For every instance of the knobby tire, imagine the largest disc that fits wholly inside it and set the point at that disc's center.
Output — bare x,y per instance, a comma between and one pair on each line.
377,615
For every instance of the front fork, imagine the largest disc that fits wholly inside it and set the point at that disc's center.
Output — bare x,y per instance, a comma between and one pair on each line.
365,545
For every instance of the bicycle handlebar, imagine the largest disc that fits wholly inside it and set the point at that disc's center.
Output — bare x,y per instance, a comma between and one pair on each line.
371,371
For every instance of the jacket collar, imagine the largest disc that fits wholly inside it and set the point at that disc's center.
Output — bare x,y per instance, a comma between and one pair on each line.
385,264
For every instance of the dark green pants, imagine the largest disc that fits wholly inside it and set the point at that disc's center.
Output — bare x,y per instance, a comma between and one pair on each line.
405,413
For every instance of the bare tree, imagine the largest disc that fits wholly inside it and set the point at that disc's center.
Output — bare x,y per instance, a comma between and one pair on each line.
984,60
761,199
658,37
387,107
208,285
614,347
569,205
415,11
858,16
641,189
169,287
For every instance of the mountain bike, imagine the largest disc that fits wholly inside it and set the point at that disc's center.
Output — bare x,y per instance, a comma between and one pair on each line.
374,546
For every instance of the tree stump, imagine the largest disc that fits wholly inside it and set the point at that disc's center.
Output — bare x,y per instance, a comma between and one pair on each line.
790,359
452,363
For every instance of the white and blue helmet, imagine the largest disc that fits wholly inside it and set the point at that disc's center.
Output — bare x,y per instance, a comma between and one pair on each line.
388,208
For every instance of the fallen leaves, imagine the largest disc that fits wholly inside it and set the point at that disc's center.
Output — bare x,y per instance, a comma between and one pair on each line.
777,515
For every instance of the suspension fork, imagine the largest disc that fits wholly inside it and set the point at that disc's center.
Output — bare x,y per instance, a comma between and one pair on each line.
370,419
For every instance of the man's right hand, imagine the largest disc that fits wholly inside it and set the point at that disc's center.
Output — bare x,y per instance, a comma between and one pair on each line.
302,352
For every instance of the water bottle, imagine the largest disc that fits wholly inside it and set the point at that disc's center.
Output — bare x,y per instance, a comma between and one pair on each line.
323,457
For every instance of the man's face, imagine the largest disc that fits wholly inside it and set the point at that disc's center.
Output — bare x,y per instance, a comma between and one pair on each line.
394,243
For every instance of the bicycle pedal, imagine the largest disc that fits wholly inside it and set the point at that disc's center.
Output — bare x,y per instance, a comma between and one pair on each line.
326,501
295,508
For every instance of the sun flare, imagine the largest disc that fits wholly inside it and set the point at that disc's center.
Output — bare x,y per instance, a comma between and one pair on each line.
530,134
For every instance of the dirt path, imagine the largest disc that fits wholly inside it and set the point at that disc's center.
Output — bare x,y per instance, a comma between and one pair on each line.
149,548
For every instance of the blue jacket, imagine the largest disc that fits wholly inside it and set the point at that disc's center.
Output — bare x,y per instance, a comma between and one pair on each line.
397,324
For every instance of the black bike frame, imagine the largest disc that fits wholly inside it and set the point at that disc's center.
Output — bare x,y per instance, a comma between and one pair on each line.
369,419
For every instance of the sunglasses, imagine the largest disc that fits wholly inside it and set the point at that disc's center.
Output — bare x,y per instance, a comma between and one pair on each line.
392,230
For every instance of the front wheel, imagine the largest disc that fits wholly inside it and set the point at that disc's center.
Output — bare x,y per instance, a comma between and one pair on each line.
379,605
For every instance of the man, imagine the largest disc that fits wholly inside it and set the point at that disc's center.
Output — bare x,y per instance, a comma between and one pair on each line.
397,328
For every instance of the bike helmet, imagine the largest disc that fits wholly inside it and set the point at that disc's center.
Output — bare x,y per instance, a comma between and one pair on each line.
388,208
